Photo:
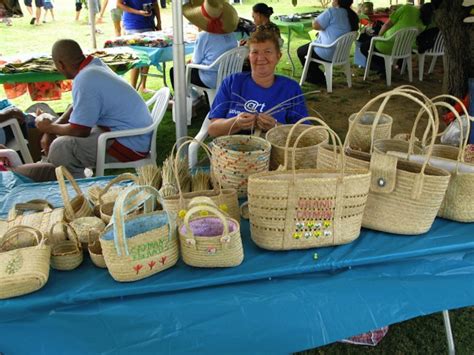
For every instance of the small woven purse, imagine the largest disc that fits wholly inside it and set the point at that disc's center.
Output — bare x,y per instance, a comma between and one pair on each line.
67,254
211,239
24,261
138,246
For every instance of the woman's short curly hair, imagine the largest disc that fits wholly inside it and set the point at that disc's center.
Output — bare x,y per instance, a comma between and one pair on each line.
260,36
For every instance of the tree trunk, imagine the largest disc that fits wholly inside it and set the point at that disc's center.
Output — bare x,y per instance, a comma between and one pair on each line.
458,47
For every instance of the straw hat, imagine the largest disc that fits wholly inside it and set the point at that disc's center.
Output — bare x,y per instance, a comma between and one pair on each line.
214,16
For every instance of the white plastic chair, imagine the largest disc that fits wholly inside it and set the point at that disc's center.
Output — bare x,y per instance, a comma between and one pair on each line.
402,49
435,52
12,157
229,63
18,143
341,57
160,98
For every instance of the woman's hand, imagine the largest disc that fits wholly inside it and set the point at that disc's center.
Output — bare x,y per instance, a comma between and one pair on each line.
265,122
245,121
45,142
144,13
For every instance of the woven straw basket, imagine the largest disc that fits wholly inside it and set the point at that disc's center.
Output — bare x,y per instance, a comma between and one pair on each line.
24,261
95,252
78,206
226,199
235,158
138,246
210,240
306,152
67,254
361,132
84,226
300,209
458,202
39,214
404,196
106,206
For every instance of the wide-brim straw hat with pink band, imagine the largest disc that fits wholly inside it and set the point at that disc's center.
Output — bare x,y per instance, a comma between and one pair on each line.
213,16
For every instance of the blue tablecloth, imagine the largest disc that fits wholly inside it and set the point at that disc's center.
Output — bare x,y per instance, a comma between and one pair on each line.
275,302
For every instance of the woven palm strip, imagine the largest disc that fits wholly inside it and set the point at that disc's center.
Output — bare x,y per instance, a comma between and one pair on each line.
458,202
43,219
24,261
106,207
67,254
210,240
306,208
360,134
225,198
306,152
236,157
411,194
201,181
138,246
149,175
79,205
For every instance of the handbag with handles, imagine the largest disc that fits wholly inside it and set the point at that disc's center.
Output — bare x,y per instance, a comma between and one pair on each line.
138,246
299,209
24,261
208,237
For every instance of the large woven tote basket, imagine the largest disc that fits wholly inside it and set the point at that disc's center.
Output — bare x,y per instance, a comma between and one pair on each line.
458,202
138,246
404,196
299,209
39,214
360,137
307,151
79,205
24,261
208,238
225,198
236,157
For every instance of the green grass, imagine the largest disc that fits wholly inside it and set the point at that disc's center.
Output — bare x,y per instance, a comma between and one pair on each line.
423,335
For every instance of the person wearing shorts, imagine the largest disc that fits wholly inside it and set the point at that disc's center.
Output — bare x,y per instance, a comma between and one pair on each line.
38,4
48,5
78,9
116,15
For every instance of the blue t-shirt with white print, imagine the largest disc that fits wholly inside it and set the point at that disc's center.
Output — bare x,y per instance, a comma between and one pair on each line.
239,93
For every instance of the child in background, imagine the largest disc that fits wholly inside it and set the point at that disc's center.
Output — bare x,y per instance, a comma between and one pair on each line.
48,5
78,9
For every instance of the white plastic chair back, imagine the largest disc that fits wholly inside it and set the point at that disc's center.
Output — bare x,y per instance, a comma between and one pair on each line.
438,48
343,48
231,62
18,143
404,40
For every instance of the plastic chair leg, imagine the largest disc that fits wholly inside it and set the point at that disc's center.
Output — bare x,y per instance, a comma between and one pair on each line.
348,72
433,63
367,65
410,68
449,333
421,66
306,66
328,74
388,70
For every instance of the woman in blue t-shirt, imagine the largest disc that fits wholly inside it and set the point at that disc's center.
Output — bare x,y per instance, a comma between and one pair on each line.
331,24
260,98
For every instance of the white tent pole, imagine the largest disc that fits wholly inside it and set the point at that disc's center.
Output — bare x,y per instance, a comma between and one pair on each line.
179,71
92,21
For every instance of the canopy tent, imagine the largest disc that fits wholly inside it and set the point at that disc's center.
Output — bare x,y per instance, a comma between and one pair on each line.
178,63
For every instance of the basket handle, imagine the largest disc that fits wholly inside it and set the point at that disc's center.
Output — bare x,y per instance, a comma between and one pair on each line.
290,135
32,205
417,188
202,200
131,199
69,232
7,242
61,174
190,239
115,180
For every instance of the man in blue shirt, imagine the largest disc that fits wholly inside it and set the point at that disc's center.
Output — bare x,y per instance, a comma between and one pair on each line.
102,101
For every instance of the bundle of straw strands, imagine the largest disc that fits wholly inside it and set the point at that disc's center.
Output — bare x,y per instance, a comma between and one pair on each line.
149,175
201,181
169,186
95,191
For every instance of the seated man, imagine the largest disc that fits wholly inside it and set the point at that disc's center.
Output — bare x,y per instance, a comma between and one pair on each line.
102,101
